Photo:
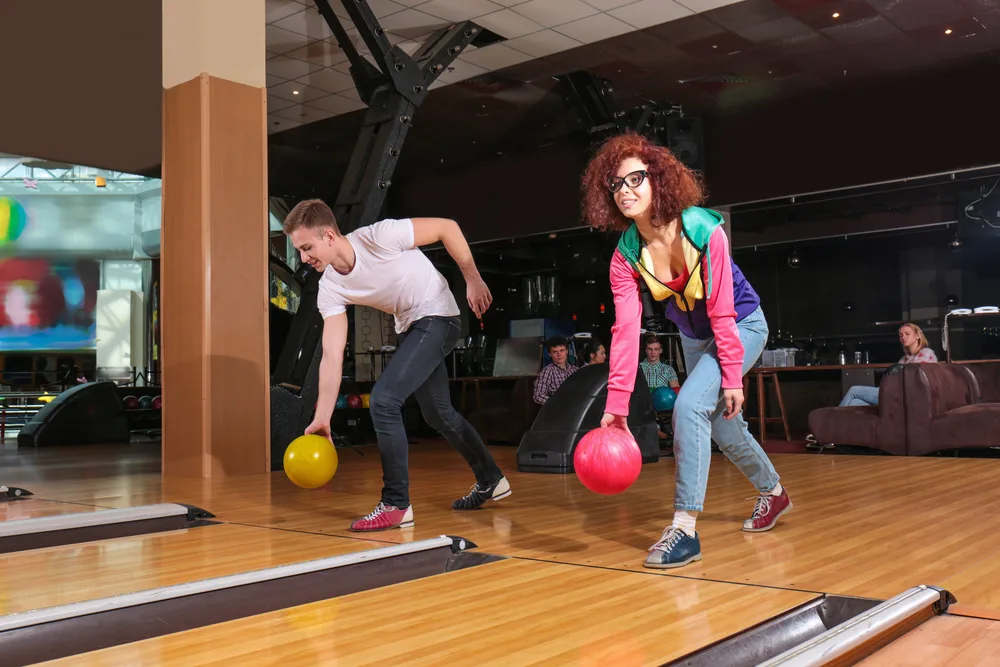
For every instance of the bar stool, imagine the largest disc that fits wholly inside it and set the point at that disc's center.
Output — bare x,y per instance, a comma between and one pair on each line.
761,374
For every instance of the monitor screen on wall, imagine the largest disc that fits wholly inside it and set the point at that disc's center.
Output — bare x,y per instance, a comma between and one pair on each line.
47,304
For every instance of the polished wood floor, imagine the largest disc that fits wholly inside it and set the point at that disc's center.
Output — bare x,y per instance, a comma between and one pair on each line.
513,612
944,641
868,526
72,573
21,510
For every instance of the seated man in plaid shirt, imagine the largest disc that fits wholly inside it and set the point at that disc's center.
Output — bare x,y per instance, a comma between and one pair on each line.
658,374
552,376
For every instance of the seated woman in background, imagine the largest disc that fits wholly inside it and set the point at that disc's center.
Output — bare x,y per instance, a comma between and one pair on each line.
594,352
915,351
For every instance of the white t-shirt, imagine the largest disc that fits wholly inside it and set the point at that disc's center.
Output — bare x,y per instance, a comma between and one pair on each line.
389,274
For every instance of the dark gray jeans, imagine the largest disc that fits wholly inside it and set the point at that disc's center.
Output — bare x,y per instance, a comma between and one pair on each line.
417,368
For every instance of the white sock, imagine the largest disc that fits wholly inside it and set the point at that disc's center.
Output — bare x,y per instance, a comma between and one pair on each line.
685,520
776,491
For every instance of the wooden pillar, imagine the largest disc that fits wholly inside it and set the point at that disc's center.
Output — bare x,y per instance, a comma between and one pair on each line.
214,276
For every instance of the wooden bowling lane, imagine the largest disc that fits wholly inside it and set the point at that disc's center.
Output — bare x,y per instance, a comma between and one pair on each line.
943,641
867,526
512,612
72,573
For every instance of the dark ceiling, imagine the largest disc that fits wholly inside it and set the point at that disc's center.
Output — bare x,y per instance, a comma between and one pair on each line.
722,63
879,92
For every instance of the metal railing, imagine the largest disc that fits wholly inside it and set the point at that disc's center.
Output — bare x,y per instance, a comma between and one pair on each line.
17,409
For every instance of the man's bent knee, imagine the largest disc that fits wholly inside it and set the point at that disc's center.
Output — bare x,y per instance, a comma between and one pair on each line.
385,404
442,419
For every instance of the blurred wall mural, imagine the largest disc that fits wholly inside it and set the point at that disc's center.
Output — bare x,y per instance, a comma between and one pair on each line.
47,304
57,228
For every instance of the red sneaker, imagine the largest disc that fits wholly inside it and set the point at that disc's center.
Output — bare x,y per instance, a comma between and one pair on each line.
766,512
384,517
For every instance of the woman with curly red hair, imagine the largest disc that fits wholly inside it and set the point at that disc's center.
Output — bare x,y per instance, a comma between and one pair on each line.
681,252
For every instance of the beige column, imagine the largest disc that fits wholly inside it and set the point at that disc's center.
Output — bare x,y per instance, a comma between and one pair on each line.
214,278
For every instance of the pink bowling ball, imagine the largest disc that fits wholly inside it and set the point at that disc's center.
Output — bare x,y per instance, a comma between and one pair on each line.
607,460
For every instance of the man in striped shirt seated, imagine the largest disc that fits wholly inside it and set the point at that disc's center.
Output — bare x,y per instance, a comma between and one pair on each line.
552,376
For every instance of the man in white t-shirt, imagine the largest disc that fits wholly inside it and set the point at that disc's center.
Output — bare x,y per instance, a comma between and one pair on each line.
382,266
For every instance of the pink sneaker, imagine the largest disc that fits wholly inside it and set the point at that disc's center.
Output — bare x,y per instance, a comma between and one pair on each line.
384,517
766,512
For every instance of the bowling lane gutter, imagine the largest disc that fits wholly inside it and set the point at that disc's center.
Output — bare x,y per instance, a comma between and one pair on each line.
65,630
74,528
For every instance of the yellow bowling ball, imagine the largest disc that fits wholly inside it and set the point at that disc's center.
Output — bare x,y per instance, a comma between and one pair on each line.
366,400
310,461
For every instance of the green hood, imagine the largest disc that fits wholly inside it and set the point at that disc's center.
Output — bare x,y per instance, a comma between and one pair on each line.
698,224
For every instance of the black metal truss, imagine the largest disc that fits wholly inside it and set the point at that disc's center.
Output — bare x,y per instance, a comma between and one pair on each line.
392,88
591,97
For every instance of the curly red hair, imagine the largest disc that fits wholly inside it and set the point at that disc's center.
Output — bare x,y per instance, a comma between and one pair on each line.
675,187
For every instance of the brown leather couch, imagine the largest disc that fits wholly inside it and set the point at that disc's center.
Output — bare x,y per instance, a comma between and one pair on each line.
988,377
943,409
925,408
881,426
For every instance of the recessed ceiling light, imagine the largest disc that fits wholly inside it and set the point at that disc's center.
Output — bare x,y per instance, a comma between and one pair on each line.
295,92
836,15
948,31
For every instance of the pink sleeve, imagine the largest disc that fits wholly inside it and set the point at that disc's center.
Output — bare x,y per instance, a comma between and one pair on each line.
722,313
624,360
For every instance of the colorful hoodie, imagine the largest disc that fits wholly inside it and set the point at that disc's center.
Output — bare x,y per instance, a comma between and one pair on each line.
706,301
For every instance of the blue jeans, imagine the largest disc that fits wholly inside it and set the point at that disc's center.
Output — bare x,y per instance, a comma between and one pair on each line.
698,419
860,395
417,368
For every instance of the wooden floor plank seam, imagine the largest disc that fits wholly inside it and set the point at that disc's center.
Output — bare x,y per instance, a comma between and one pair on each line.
361,537
662,573
657,573
974,612
70,502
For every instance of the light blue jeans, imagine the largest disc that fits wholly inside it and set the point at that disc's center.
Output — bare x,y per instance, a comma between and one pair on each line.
860,395
698,419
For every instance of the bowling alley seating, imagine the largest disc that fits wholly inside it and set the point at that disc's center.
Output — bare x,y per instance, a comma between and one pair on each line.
881,427
988,378
945,409
925,408
92,413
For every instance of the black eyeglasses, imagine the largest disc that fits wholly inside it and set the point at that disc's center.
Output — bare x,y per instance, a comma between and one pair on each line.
634,180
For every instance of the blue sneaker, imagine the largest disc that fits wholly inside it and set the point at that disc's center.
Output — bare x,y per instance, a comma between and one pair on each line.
675,549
